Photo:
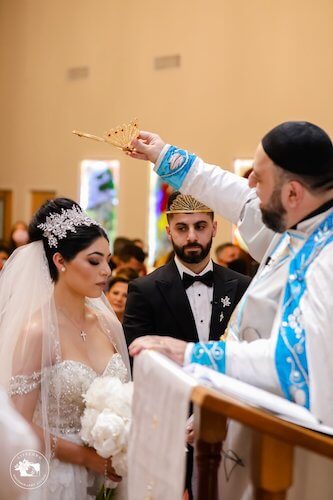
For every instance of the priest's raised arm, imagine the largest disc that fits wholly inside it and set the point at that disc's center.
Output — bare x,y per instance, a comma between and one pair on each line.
226,193
279,337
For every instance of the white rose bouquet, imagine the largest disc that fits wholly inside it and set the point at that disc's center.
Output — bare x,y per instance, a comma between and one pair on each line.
106,421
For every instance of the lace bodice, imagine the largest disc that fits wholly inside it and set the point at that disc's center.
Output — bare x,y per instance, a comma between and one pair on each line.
67,382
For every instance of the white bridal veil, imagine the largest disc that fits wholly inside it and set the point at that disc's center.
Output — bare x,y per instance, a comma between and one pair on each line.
29,337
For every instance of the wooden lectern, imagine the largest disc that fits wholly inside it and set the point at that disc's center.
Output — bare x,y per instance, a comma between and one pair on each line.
272,447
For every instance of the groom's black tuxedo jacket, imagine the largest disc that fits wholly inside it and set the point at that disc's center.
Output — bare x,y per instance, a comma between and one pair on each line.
158,304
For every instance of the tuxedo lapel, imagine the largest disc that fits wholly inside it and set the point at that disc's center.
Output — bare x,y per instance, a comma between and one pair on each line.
172,289
224,296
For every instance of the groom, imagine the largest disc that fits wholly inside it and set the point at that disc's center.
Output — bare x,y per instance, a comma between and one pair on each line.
190,298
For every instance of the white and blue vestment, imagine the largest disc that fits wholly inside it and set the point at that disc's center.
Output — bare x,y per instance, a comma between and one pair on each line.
280,337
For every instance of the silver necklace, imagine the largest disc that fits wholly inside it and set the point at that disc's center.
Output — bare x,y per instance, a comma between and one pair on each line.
83,334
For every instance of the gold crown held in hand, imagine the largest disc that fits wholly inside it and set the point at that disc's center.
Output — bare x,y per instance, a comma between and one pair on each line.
121,137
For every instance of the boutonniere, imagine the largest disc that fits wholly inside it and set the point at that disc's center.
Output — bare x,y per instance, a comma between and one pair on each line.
226,301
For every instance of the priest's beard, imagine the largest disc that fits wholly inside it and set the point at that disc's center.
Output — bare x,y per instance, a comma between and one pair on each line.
192,257
273,214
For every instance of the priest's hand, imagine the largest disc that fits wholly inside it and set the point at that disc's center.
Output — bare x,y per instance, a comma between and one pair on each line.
147,147
170,347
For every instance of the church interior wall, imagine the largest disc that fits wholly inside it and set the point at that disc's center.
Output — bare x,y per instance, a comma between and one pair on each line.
244,67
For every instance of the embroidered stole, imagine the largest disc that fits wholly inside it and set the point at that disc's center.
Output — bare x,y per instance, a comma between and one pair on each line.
280,253
290,354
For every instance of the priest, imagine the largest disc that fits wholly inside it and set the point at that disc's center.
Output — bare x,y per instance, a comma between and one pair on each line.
279,337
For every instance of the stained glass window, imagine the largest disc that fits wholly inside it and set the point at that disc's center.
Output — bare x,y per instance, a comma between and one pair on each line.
159,245
99,192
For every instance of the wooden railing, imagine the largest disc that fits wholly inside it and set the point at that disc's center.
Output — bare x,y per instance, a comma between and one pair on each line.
273,445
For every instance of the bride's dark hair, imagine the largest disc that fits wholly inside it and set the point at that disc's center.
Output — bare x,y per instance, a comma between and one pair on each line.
73,243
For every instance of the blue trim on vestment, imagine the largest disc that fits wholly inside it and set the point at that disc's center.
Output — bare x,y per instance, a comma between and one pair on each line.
290,354
175,166
211,354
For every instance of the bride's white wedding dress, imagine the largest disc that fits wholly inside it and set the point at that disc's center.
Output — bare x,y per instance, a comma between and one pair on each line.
68,380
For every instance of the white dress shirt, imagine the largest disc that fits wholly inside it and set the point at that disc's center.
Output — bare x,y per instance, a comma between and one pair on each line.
200,297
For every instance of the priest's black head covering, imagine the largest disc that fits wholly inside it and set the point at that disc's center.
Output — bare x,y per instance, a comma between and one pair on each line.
301,148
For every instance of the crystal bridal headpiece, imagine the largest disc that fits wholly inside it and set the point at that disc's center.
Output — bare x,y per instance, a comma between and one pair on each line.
56,224
120,137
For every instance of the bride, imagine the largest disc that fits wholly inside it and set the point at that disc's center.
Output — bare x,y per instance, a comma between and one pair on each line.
57,334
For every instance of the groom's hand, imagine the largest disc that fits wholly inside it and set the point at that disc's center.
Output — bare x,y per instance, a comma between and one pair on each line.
147,147
170,347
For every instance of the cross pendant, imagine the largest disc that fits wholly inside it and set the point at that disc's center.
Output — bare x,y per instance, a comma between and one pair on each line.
83,335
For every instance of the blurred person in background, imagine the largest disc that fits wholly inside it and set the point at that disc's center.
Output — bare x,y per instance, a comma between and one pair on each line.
226,253
18,236
4,254
117,295
127,273
122,271
236,258
139,243
118,244
133,257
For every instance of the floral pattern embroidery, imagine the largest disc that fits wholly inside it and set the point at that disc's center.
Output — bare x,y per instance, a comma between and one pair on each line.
290,355
211,354
294,322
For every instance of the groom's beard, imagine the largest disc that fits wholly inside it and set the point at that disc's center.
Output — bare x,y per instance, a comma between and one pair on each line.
273,214
194,257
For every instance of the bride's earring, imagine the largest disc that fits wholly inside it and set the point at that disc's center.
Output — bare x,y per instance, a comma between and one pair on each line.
63,269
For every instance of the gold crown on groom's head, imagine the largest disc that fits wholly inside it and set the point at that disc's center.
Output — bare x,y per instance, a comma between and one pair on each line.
185,203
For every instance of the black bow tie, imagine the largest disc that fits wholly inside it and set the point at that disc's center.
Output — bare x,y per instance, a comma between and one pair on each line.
206,279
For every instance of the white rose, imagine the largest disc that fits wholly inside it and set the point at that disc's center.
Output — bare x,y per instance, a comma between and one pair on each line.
113,390
119,399
111,393
119,463
88,420
128,424
109,434
95,395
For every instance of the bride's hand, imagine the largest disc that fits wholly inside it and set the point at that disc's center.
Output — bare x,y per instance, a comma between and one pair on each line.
98,464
